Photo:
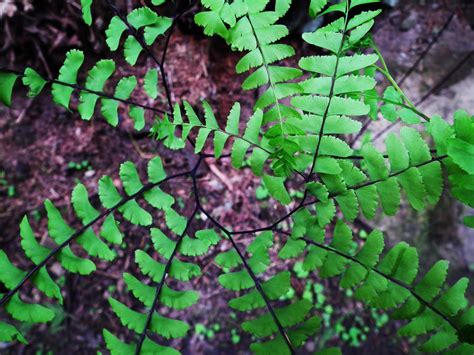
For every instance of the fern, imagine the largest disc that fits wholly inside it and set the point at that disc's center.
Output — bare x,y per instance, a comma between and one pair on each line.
296,141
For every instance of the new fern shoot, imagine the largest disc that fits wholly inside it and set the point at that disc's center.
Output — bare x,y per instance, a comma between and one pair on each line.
299,134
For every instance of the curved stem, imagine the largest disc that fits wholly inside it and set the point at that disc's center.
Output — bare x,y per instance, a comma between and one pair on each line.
267,70
159,287
331,92
400,104
98,93
81,230
257,283
309,203
389,77
388,277
161,284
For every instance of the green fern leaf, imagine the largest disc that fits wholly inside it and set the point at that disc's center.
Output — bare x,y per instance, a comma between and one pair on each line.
229,259
123,90
130,178
82,206
33,250
291,249
96,79
9,333
151,83
208,235
316,6
86,11
7,81
274,288
108,194
159,28
289,316
135,214
94,246
67,74
34,81
276,188
116,346
297,336
155,170
159,199
114,32
236,281
166,327
28,312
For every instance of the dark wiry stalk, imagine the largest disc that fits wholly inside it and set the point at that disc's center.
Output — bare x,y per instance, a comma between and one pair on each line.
98,93
430,92
427,49
165,51
257,283
139,38
148,50
309,203
388,277
159,287
331,93
80,231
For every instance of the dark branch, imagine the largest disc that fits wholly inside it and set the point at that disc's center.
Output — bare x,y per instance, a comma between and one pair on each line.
257,283
159,287
303,203
98,93
331,94
80,231
388,277
427,49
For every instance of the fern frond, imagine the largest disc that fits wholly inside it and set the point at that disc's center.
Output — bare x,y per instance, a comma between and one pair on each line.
248,27
142,18
390,284
278,320
63,235
166,130
66,84
168,249
86,11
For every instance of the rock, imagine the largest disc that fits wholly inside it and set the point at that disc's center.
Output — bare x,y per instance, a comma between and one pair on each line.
409,22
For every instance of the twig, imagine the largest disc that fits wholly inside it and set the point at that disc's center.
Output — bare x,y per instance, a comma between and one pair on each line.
331,94
159,287
257,283
427,49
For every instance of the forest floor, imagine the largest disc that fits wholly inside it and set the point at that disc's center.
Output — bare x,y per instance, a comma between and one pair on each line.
45,151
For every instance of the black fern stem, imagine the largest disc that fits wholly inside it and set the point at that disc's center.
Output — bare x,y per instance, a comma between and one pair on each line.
258,286
68,241
331,93
161,284
388,277
427,49
98,93
303,203
167,268
146,48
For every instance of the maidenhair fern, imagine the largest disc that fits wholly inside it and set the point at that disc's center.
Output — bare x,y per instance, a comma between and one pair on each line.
302,132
